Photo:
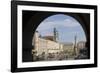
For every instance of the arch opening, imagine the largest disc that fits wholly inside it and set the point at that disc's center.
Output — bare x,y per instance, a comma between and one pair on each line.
59,37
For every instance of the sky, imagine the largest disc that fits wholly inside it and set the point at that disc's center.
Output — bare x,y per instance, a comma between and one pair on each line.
67,28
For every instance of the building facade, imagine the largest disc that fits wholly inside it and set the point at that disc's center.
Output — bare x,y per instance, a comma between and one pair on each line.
81,44
45,45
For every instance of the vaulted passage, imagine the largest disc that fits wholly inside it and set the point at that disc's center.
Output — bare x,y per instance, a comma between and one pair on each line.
31,21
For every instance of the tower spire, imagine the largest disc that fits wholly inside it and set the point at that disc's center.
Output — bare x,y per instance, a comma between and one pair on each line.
75,44
75,40
55,34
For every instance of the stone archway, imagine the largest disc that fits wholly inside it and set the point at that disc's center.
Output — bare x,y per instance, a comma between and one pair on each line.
33,19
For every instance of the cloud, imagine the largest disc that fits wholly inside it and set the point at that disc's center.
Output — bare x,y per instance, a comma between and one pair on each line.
61,23
71,23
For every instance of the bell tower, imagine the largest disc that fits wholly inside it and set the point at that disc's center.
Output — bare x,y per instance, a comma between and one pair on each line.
55,35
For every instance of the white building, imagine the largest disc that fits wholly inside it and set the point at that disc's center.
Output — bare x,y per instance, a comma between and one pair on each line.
45,45
81,44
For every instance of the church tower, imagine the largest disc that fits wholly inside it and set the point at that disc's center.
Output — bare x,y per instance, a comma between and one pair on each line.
55,35
75,46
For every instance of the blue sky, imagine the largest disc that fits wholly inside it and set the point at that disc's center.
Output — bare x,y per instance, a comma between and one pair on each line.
66,26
